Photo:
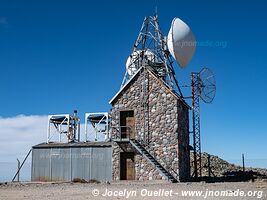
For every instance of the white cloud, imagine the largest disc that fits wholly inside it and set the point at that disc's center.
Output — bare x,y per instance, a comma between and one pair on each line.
18,134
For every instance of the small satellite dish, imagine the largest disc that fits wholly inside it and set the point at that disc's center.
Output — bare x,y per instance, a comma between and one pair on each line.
181,42
137,59
207,85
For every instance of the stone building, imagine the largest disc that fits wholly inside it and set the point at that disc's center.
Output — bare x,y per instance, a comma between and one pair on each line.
150,131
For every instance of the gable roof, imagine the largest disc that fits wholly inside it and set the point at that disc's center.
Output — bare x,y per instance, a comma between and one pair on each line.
155,77
125,85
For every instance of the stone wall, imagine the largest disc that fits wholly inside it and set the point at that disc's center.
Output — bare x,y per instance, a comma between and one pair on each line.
161,126
144,170
183,145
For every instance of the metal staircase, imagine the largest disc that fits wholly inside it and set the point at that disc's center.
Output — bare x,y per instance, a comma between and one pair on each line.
153,161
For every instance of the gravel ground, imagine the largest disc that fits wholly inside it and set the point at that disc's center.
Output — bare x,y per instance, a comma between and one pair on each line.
131,190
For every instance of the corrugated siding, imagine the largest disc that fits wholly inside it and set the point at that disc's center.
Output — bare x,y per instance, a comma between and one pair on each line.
41,165
65,164
81,159
101,163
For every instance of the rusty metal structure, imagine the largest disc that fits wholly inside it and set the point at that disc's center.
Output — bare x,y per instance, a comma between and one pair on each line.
196,125
204,88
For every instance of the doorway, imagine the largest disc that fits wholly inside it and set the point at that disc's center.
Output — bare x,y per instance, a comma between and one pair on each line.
127,124
127,166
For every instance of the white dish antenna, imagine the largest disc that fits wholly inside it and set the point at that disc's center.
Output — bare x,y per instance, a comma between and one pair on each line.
135,60
181,42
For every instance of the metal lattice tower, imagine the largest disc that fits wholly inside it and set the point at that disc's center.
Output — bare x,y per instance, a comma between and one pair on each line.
151,39
196,123
203,87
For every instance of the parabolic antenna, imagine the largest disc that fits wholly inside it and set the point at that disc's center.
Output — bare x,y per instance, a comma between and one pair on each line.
207,85
137,59
181,42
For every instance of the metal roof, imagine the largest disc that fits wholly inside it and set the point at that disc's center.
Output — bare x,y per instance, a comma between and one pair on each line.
73,145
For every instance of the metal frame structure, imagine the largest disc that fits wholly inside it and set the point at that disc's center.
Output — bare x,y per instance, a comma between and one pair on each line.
203,87
151,39
196,124
150,51
97,121
63,124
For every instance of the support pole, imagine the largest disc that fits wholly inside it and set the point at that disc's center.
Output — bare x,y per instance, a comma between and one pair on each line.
86,124
196,125
243,162
75,120
209,165
18,169
48,130
194,130
22,165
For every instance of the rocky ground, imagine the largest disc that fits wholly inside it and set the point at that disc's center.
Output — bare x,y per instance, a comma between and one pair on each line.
146,189
133,190
219,167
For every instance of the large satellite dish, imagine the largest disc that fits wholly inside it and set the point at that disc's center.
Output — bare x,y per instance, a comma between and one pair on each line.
181,42
137,59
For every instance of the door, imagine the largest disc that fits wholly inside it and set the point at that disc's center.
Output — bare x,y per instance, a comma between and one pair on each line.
123,122
127,166
130,124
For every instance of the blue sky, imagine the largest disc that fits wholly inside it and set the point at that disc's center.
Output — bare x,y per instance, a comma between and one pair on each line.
57,56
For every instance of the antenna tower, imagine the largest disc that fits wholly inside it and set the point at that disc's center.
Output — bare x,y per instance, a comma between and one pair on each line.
204,88
150,50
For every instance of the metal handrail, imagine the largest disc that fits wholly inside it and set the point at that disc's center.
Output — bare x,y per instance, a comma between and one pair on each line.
177,175
119,132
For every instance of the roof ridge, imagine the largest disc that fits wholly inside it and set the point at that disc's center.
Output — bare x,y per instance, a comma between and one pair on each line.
156,78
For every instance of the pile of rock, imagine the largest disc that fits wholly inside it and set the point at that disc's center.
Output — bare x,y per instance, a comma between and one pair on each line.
219,166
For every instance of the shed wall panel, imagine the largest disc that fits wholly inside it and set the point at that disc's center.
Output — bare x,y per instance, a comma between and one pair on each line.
60,164
65,164
101,165
80,163
41,168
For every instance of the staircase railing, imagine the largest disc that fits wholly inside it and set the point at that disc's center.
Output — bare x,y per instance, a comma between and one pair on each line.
176,174
156,162
119,132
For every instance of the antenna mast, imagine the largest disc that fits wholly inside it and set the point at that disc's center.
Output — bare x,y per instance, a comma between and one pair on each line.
204,88
150,50
196,124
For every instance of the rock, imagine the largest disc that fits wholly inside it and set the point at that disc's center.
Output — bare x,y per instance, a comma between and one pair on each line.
165,141
154,133
220,166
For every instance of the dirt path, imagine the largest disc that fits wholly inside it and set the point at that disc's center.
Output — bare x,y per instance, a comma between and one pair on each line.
133,190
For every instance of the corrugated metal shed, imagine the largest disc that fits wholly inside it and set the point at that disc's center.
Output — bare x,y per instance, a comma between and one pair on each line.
64,162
